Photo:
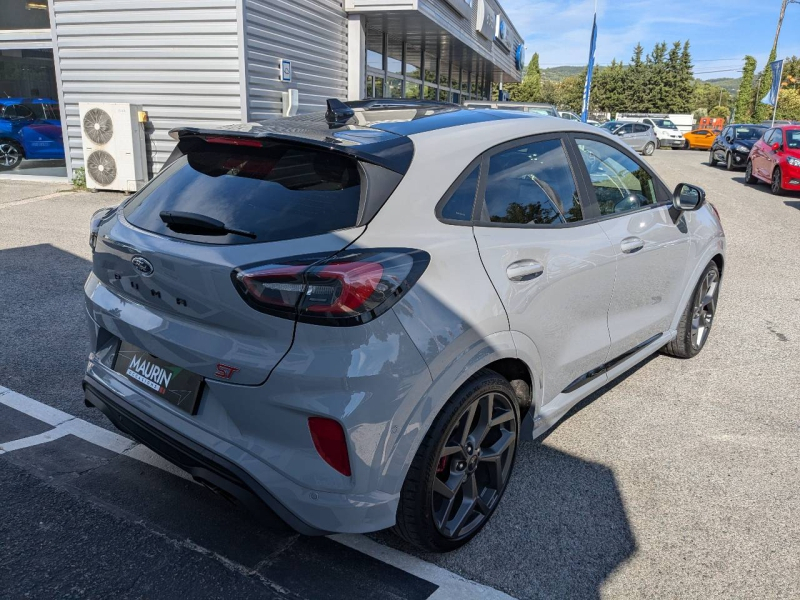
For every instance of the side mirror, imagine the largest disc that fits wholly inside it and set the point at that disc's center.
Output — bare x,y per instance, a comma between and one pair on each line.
776,146
728,139
688,197
619,132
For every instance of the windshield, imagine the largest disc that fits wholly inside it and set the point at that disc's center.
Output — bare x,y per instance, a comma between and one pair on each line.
793,139
541,110
748,133
664,124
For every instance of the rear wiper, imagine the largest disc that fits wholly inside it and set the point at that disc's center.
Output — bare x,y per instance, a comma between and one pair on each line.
196,224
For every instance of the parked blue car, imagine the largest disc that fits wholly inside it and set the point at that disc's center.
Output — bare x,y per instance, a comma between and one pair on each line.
29,128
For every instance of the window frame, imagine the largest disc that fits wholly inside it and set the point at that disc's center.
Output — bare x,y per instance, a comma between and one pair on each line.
663,195
476,162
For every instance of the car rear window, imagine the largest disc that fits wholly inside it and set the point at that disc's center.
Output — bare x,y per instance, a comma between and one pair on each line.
279,192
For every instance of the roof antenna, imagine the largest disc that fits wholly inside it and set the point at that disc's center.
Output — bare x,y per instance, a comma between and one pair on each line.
338,111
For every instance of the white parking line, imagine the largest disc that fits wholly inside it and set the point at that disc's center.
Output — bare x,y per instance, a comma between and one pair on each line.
451,586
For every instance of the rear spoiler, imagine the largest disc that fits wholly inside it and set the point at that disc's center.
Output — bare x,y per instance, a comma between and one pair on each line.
382,148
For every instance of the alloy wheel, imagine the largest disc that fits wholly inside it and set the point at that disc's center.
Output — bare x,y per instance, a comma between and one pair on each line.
474,465
776,182
704,309
9,156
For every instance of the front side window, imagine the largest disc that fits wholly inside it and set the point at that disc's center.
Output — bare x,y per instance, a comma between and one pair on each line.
459,206
531,184
620,183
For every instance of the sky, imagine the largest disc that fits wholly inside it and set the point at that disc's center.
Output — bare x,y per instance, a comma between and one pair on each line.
720,34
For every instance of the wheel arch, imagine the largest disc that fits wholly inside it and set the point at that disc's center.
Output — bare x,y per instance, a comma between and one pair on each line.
498,352
16,142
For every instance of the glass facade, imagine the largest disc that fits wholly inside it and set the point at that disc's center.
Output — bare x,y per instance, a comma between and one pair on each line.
397,68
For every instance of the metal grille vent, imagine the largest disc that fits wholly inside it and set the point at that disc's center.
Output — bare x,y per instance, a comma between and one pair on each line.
102,167
97,126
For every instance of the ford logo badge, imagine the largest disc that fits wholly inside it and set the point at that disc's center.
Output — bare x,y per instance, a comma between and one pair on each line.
144,266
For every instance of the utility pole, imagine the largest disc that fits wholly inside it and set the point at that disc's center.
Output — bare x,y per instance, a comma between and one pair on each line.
780,22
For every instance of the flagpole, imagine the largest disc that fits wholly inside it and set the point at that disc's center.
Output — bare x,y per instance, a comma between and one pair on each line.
777,95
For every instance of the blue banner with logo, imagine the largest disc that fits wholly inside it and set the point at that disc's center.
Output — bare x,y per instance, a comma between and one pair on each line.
587,90
777,72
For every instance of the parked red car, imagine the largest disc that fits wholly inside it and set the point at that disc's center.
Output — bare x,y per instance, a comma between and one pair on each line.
775,158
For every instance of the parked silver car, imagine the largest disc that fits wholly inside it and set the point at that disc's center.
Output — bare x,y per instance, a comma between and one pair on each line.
352,319
639,136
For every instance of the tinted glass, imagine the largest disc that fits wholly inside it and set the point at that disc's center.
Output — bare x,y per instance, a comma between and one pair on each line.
413,61
9,112
640,128
21,14
394,55
793,139
375,49
532,184
278,193
620,183
626,129
459,206
25,112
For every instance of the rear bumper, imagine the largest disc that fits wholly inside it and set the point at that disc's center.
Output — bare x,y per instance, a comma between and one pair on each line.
204,465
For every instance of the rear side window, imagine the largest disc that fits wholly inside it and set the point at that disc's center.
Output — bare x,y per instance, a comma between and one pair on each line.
531,184
640,128
459,206
278,192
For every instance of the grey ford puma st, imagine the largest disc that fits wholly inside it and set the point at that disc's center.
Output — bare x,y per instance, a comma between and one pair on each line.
351,319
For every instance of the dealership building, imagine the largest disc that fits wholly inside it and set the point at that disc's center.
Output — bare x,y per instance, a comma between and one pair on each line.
214,62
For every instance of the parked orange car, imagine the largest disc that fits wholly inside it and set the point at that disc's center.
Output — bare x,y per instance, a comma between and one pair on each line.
700,139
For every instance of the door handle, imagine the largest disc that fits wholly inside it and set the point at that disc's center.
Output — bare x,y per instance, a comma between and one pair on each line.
631,244
524,270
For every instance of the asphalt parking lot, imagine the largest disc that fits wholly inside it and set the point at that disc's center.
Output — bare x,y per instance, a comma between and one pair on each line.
679,480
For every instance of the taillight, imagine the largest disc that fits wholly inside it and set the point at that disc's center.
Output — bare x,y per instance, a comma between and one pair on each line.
350,288
98,218
330,443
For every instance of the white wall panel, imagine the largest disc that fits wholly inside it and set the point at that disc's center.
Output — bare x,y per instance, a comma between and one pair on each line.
179,59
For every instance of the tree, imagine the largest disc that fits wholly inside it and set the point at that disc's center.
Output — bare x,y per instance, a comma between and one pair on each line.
744,99
530,90
720,112
789,105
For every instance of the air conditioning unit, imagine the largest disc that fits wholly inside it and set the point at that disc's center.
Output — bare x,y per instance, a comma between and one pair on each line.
113,146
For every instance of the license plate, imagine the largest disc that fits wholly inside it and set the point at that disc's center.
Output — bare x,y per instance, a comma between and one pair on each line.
175,384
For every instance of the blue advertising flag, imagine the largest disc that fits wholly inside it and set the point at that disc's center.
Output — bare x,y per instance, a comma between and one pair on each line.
587,90
777,72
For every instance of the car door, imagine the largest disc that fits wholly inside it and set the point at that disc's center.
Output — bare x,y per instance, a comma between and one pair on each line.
641,134
627,135
40,138
771,157
718,147
757,154
553,270
650,239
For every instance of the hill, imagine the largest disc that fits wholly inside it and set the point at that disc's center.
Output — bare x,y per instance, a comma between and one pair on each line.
561,73
727,83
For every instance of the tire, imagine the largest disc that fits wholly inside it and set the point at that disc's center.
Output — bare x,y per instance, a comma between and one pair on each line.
695,326
425,516
776,186
749,179
10,155
712,160
729,161
649,149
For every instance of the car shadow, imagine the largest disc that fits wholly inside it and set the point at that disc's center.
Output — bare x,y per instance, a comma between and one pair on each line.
560,531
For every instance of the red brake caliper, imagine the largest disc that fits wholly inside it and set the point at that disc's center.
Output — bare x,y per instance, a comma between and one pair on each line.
442,466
